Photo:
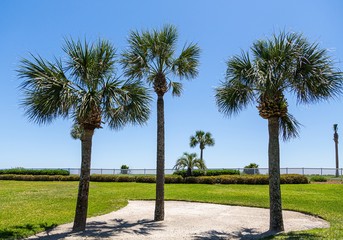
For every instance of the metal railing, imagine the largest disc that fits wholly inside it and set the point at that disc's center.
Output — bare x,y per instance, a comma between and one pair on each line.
302,171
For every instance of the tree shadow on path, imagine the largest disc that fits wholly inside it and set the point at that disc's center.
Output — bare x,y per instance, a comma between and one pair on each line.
110,229
244,234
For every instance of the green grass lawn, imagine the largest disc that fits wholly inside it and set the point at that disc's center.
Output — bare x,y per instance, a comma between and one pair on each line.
29,207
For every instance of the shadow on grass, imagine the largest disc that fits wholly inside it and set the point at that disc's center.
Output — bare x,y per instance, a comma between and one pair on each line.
244,234
110,229
296,236
20,231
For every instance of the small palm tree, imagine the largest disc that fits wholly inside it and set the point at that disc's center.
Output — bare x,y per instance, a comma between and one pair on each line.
286,63
335,138
189,161
151,56
203,139
84,89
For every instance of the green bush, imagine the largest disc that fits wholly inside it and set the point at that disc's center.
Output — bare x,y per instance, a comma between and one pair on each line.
212,172
39,177
223,179
146,179
122,178
23,171
293,179
104,178
318,179
174,179
252,168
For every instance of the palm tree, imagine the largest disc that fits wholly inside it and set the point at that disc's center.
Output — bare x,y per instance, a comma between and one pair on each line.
286,63
83,88
335,138
151,56
203,139
189,161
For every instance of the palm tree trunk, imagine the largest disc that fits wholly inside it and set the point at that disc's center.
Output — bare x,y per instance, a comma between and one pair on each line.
159,204
336,153
276,220
189,172
82,197
201,154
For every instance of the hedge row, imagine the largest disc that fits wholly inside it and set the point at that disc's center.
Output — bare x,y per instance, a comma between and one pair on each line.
23,171
213,172
233,179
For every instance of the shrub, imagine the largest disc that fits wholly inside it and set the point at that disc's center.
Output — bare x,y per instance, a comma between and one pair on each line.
212,172
207,180
217,172
252,168
318,179
174,179
146,179
23,171
104,178
293,179
124,169
39,177
126,179
191,180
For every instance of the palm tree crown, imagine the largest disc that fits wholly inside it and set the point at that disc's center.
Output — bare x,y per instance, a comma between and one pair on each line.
151,56
189,161
203,139
285,64
84,89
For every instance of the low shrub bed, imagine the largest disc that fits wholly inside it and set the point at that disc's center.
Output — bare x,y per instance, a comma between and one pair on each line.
318,179
24,171
212,172
233,179
39,177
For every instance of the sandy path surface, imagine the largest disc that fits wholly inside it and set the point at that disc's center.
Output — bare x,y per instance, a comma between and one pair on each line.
183,220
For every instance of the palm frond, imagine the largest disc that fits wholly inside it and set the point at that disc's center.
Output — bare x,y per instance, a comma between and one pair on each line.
186,65
232,97
47,92
127,102
289,127
176,88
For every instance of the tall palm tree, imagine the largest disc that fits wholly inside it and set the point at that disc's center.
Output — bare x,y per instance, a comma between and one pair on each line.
335,138
151,56
286,63
189,161
203,139
83,88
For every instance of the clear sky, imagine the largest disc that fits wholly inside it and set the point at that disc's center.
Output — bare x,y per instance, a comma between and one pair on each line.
221,28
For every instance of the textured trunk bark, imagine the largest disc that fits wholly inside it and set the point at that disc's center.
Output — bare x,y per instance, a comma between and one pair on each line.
82,197
201,154
336,154
276,220
159,204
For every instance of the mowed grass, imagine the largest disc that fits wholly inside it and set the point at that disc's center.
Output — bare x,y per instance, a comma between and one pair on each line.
29,207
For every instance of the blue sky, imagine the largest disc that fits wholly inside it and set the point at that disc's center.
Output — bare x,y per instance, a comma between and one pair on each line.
221,28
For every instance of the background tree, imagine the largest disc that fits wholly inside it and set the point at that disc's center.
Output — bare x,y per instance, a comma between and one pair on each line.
83,87
335,138
189,161
203,139
151,56
286,63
